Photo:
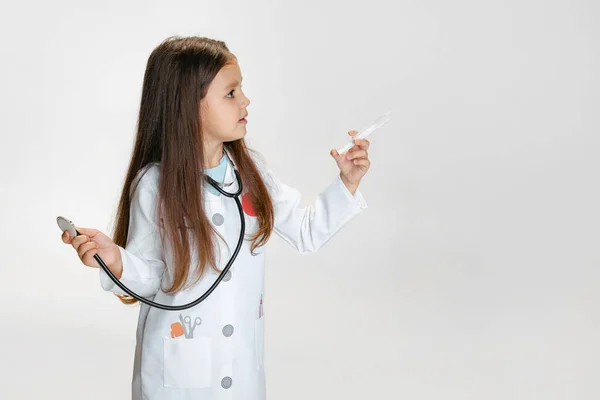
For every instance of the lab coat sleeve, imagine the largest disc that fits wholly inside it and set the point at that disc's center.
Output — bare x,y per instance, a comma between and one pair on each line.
142,257
308,228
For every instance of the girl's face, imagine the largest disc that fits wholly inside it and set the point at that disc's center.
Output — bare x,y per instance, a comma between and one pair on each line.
223,107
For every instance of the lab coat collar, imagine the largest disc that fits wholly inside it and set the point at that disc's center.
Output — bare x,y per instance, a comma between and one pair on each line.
229,177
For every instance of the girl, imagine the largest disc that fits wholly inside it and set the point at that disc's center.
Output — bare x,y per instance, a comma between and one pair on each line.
192,116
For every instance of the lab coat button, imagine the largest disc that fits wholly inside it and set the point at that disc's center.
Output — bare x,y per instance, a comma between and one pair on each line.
218,219
227,276
228,330
226,382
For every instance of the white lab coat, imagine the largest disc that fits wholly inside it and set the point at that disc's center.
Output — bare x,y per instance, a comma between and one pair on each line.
223,357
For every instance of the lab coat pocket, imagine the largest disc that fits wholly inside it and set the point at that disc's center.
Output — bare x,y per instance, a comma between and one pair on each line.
187,362
259,340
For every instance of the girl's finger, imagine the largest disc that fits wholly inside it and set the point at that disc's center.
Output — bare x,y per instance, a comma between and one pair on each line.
88,258
79,240
363,143
83,231
361,161
85,247
65,237
91,232
354,149
357,154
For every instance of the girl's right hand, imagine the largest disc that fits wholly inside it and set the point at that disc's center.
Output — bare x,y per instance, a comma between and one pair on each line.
92,241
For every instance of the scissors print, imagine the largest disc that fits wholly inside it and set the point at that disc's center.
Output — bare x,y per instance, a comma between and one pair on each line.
188,328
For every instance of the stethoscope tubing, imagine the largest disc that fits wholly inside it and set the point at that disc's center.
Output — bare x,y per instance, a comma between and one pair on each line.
151,303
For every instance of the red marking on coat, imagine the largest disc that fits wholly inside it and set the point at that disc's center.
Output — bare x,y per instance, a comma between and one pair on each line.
247,205
260,308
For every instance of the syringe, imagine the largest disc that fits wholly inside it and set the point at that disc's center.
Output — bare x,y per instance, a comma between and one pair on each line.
366,132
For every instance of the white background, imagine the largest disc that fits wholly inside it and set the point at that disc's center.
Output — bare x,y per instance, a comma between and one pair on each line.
474,272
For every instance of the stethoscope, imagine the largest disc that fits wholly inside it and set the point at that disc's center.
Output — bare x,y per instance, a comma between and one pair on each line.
64,224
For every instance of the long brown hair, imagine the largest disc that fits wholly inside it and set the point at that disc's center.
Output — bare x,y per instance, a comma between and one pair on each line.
178,74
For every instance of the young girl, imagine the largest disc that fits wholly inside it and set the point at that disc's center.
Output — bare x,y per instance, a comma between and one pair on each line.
174,230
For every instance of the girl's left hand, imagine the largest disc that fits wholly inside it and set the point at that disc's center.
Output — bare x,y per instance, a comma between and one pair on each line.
355,163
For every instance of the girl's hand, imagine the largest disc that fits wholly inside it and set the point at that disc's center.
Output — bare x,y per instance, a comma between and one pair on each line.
91,242
355,163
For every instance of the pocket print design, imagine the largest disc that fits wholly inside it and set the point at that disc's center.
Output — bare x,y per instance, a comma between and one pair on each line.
185,326
187,360
177,330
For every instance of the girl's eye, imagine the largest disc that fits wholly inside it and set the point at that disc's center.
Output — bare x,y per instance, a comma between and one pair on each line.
233,90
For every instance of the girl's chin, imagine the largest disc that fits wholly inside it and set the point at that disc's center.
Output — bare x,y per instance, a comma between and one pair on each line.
240,134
